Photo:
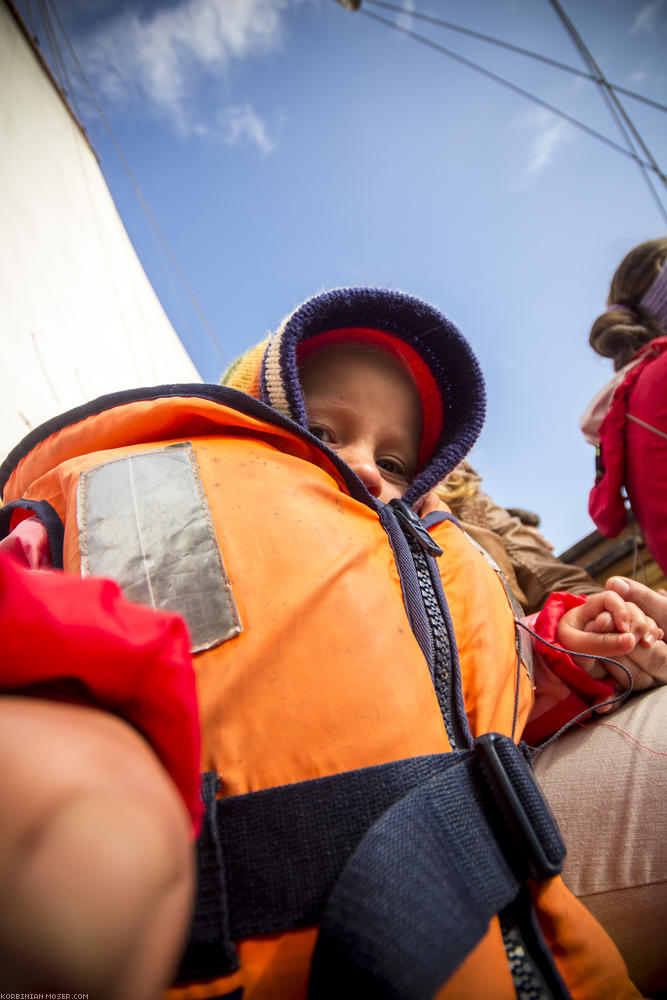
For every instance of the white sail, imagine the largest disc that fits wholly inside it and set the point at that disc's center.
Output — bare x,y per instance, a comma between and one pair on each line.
78,316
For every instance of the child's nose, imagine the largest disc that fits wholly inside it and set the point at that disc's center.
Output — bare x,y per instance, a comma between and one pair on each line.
364,466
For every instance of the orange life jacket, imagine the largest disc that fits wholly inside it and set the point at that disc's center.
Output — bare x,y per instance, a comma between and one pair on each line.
316,652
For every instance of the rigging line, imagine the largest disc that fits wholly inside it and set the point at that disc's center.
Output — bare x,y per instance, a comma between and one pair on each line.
634,94
65,82
505,83
31,20
113,286
621,127
615,107
644,172
56,58
158,246
156,229
602,81
515,48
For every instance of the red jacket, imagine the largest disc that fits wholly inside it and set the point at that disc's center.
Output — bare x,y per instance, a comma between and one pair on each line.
80,641
633,453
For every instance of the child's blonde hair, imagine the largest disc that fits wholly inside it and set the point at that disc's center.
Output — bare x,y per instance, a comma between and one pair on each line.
461,485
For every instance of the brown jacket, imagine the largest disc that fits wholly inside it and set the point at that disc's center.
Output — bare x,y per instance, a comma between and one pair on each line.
532,570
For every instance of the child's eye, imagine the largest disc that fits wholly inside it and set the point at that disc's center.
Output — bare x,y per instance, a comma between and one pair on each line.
321,433
393,466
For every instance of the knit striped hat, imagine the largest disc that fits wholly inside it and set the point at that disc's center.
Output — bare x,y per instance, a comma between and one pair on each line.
655,297
425,342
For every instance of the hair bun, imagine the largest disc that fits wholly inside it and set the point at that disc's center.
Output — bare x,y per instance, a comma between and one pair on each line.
618,333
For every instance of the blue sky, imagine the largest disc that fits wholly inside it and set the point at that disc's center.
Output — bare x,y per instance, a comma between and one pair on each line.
286,146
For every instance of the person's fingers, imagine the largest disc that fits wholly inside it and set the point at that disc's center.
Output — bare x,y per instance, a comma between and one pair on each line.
647,668
652,602
650,662
652,635
640,680
595,605
585,632
573,637
603,623
644,629
627,616
611,602
428,504
642,626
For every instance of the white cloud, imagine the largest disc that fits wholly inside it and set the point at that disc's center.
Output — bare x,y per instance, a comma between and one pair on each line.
405,20
646,19
545,144
241,124
549,135
161,56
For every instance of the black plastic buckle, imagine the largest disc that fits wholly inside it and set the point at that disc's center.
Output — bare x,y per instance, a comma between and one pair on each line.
532,826
413,524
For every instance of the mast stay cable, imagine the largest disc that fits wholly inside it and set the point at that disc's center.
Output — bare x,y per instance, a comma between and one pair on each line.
615,107
519,50
506,83
59,67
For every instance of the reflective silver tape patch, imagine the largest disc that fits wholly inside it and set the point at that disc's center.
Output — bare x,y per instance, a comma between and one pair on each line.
145,522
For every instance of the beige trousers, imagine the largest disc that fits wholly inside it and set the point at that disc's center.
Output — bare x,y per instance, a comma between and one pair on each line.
607,786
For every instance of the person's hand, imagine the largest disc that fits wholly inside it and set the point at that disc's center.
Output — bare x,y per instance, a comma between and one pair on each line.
607,625
652,602
648,665
429,503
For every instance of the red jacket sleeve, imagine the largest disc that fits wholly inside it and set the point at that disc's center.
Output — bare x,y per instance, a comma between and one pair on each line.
82,641
562,689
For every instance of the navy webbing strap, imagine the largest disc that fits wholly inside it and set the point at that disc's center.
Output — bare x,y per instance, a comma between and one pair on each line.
418,893
210,950
270,860
267,861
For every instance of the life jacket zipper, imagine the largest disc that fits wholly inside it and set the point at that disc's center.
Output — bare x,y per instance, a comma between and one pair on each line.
412,525
526,976
443,652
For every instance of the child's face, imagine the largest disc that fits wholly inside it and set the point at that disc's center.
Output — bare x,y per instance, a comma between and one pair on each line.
365,406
